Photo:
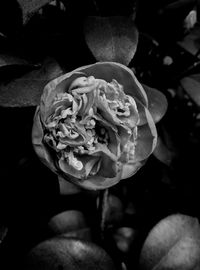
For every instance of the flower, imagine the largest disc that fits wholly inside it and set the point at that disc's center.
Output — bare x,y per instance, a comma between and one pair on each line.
93,126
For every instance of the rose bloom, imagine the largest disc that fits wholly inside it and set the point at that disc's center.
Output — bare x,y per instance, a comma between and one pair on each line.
93,127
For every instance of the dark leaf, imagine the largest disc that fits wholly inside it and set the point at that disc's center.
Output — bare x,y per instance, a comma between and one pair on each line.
30,7
27,90
191,86
67,221
7,60
163,153
12,67
111,38
157,103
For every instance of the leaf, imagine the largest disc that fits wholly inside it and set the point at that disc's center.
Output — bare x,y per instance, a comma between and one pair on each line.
68,253
157,103
174,243
111,38
163,153
7,60
67,221
30,7
27,90
191,86
3,232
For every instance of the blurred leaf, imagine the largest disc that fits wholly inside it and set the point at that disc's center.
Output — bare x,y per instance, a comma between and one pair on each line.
111,38
70,223
3,232
30,7
174,243
27,90
67,221
157,103
192,85
68,253
114,213
124,238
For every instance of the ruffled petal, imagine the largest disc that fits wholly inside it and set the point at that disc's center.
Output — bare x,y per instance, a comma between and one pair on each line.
122,74
54,87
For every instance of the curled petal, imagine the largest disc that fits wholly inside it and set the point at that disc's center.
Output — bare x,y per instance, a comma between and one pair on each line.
101,155
87,164
109,114
123,75
53,88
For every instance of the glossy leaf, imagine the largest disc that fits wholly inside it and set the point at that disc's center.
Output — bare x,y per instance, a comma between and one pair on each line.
111,38
70,223
26,90
174,243
157,103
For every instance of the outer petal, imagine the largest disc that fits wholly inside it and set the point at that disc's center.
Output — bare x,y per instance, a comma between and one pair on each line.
146,139
157,103
130,169
37,140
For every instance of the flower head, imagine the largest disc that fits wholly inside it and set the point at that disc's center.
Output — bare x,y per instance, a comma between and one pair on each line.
93,126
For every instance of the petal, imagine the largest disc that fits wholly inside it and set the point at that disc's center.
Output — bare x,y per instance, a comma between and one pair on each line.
37,140
146,139
99,182
114,140
142,114
88,163
129,169
104,109
122,74
108,167
157,103
54,87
